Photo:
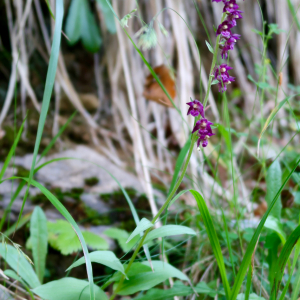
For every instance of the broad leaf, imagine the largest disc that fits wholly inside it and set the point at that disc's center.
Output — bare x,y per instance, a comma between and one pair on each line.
108,16
106,258
168,230
142,226
273,180
68,289
273,224
20,264
145,281
39,241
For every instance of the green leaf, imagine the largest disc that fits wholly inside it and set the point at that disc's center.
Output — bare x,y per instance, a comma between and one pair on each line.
179,163
168,230
178,289
274,224
106,258
213,238
73,24
68,289
12,274
108,16
215,81
282,260
20,264
176,197
145,281
251,247
142,226
251,297
273,180
70,219
81,23
89,30
12,150
210,48
39,241
63,238
121,236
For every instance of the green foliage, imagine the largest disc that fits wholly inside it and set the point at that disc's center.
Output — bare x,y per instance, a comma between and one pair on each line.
68,289
168,230
273,180
142,226
81,23
20,264
39,241
145,281
63,238
106,258
108,16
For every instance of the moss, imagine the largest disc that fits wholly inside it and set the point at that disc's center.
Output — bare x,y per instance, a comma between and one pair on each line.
91,181
39,198
22,172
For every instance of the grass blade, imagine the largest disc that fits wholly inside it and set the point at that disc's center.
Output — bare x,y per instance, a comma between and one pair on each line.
251,247
57,204
12,150
39,240
179,162
213,238
48,90
282,260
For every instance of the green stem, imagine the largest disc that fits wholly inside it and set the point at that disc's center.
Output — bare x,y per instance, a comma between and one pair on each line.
213,64
169,198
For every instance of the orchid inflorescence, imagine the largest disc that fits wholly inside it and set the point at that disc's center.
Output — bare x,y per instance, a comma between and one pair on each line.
220,72
203,126
227,41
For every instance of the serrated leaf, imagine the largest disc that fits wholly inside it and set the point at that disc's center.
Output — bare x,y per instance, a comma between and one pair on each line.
210,48
39,241
142,226
107,258
145,281
20,264
63,238
168,230
273,181
68,289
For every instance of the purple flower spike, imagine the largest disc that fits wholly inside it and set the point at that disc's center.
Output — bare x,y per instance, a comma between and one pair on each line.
195,108
204,139
224,29
203,126
224,81
222,70
230,6
235,15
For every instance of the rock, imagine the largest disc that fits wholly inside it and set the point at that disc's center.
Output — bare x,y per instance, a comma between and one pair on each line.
70,173
95,203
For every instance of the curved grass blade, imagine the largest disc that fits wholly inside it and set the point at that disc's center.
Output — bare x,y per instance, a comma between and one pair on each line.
282,260
47,92
52,142
213,238
179,162
57,204
12,150
176,197
247,257
22,184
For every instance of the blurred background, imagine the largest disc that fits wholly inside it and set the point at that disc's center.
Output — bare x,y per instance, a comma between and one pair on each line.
124,121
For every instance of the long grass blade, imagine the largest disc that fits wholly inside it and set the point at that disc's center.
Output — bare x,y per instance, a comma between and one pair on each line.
213,238
251,247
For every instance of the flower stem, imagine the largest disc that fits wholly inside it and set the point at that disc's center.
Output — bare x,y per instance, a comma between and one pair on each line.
169,198
216,50
165,205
